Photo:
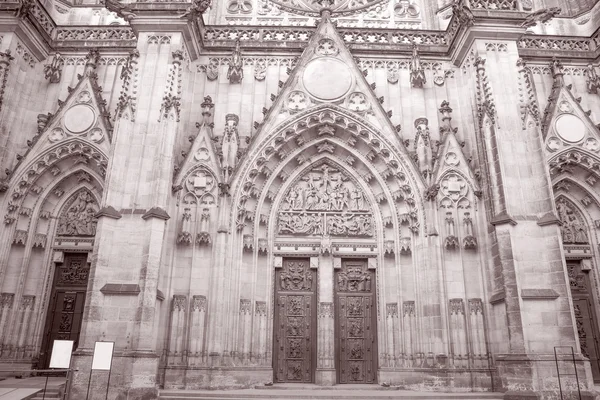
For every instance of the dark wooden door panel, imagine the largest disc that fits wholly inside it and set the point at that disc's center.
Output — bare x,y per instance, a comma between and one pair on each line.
295,322
585,317
356,320
65,310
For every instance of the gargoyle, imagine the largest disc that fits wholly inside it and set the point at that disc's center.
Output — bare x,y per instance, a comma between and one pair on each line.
542,16
120,9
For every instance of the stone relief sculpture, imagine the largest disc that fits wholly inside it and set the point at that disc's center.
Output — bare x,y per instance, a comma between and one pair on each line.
78,218
325,202
573,230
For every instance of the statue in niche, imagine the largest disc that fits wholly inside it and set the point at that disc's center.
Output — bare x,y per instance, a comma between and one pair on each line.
572,229
235,73
230,144
78,218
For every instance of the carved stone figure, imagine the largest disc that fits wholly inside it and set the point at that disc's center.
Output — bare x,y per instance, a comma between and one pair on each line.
230,144
592,79
417,73
53,70
78,217
573,230
423,147
325,201
542,16
120,9
235,73
197,8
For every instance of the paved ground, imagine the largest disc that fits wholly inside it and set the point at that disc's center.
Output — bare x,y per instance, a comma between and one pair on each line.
18,389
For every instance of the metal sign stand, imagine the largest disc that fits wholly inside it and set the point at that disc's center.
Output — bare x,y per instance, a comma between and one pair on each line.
574,367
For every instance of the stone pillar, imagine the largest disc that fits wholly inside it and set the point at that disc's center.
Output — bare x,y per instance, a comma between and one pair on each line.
526,246
325,374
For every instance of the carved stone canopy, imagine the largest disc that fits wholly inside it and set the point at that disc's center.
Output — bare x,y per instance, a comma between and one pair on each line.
325,201
77,217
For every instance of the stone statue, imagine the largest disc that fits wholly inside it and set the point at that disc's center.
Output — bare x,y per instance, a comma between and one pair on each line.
417,73
230,144
591,79
235,73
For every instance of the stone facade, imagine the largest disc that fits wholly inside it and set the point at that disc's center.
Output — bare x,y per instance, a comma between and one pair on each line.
163,163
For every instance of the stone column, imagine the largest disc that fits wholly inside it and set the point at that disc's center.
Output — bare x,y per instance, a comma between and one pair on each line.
325,374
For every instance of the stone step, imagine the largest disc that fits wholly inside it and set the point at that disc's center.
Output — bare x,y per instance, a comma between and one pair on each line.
290,392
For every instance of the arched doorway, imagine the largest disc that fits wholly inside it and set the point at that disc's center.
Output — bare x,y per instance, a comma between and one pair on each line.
576,243
76,225
325,204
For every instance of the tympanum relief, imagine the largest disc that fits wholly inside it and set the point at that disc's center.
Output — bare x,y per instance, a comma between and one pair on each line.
78,219
325,202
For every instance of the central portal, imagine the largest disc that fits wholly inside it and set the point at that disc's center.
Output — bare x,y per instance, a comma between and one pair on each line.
356,319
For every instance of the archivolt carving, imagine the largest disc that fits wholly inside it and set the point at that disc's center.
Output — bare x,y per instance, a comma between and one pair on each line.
345,128
566,161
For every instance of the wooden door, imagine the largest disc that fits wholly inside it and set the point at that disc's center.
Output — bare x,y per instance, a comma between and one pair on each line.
65,310
356,323
295,322
585,318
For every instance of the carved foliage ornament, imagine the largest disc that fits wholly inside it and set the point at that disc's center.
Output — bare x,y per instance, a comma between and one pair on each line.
325,201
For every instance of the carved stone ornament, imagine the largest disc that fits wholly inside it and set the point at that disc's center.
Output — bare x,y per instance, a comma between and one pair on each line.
325,202
260,70
592,79
573,230
77,217
53,70
393,75
327,47
235,72
314,7
417,73
453,186
199,187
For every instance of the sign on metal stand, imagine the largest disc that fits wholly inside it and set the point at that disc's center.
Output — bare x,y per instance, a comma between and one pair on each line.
102,361
563,374
62,351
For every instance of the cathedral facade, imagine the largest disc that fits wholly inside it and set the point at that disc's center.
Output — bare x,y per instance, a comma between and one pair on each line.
246,192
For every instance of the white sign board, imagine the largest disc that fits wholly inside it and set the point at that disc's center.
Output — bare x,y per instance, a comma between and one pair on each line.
103,353
61,354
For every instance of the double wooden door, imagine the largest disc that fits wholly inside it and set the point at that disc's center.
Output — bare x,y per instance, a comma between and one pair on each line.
295,323
356,321
585,317
65,312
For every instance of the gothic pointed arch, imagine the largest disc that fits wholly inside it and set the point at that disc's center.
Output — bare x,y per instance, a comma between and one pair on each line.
327,74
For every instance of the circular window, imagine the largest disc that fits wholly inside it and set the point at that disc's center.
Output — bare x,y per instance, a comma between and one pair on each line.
570,128
327,78
79,118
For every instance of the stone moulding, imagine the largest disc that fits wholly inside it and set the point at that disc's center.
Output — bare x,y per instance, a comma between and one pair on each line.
539,294
395,40
121,289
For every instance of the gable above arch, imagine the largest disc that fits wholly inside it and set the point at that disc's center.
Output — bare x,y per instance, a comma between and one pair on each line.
326,74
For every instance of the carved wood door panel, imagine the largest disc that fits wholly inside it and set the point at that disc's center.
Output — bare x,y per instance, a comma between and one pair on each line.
65,312
356,322
585,318
295,322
